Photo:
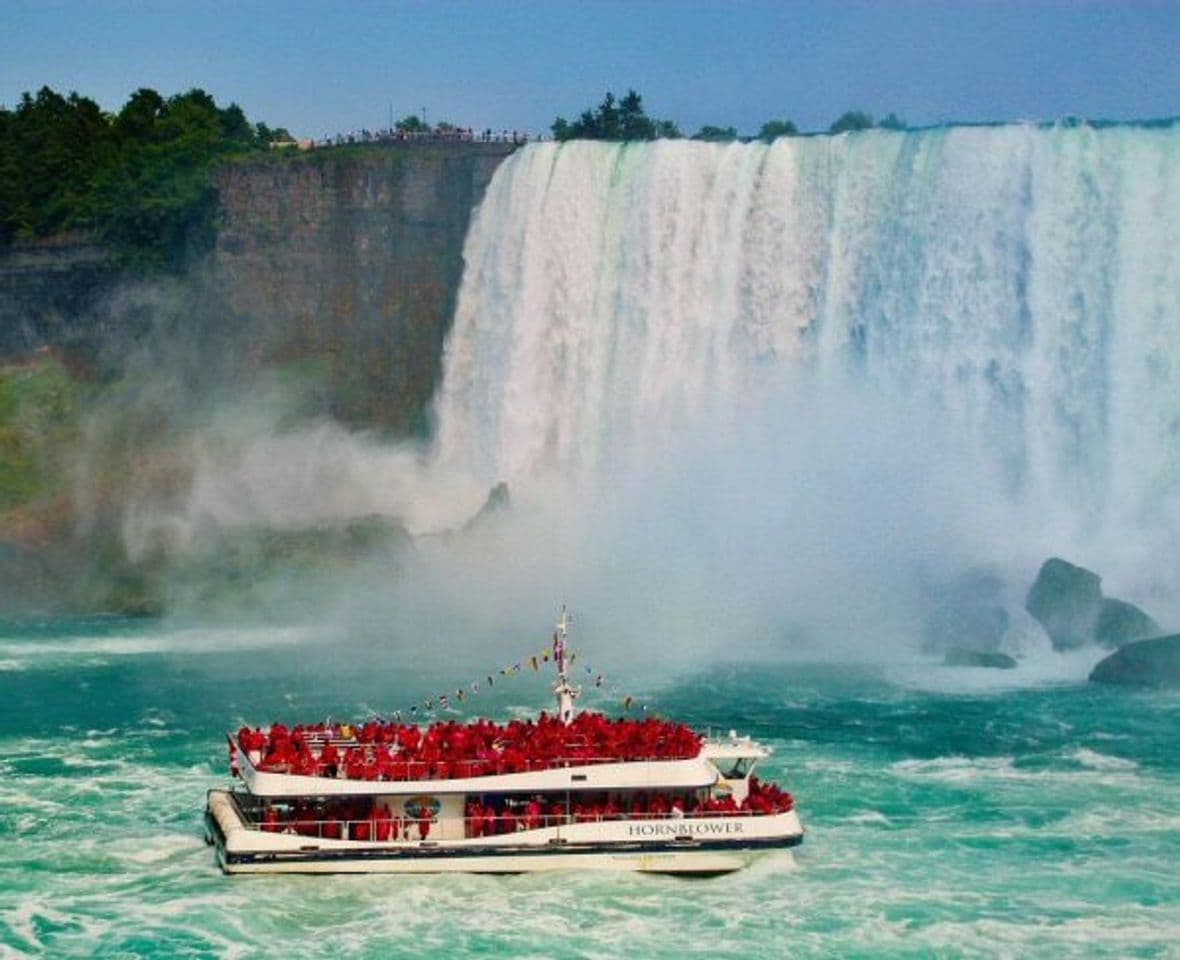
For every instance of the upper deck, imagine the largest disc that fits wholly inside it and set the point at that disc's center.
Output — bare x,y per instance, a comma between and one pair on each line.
591,752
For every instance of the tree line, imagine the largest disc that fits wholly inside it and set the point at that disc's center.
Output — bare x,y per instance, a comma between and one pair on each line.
626,120
139,179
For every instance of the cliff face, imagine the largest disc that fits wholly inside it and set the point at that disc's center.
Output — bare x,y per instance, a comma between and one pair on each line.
349,257
336,271
353,258
48,295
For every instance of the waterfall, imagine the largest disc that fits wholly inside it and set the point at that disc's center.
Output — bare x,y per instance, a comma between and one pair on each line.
1021,280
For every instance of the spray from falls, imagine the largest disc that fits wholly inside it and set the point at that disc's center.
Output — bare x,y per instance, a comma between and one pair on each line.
830,357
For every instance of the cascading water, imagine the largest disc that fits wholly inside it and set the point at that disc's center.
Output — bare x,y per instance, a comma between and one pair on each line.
1023,281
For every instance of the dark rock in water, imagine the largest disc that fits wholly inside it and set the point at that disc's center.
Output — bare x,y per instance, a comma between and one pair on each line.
1144,663
498,498
979,658
951,628
1120,622
498,501
1066,601
970,615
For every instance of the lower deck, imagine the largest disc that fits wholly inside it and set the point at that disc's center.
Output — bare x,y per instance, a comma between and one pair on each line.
248,839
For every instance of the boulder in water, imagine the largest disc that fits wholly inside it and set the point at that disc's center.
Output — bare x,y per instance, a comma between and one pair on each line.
1066,601
979,658
970,615
1143,663
498,502
1120,622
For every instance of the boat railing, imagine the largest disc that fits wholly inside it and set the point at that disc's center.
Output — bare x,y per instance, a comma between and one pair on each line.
393,829
399,770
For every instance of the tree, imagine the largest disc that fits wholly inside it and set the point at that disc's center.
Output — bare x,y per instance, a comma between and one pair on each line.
851,121
235,126
266,135
773,129
891,122
667,130
614,120
716,134
634,124
139,179
411,123
139,115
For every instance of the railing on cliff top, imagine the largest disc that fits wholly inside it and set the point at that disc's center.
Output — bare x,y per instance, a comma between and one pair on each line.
453,135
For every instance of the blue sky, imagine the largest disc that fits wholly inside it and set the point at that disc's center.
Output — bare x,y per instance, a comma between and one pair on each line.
320,68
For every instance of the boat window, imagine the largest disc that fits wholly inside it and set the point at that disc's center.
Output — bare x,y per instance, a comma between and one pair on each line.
734,768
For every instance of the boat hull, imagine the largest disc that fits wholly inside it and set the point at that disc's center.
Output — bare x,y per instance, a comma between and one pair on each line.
245,851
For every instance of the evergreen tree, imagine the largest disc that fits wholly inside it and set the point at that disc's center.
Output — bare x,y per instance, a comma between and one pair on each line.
614,120
139,179
716,134
773,129
851,121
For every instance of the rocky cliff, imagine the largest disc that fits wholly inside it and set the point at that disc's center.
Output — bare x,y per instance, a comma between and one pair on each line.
350,255
48,294
333,273
353,256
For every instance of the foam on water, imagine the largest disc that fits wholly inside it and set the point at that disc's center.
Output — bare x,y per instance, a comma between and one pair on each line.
1049,831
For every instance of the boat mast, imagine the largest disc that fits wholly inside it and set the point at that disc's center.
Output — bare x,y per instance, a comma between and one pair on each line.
566,693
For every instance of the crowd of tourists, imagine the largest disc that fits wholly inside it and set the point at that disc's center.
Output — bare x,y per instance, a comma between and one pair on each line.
382,750
361,818
443,133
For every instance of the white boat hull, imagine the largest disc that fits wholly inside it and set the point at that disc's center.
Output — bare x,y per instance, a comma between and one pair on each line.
690,846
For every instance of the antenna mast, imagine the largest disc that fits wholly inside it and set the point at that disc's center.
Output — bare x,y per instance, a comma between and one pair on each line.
566,693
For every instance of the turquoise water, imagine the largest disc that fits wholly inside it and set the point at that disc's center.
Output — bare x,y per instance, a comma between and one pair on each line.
946,816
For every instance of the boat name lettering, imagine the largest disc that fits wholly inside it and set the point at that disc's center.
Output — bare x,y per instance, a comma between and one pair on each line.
682,828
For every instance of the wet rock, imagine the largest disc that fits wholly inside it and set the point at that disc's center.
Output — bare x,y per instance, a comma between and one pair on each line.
979,658
498,502
1120,622
970,615
1066,600
1143,663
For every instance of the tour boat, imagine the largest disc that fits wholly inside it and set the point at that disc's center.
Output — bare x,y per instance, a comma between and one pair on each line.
564,791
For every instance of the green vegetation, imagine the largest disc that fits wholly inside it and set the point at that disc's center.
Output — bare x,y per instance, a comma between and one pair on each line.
39,408
851,121
855,120
411,124
139,179
615,120
713,134
773,129
623,120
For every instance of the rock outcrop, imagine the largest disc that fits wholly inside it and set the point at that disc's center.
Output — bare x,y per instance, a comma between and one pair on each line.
353,258
979,658
1067,601
1144,663
1120,622
344,261
498,502
969,616
327,294
970,622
